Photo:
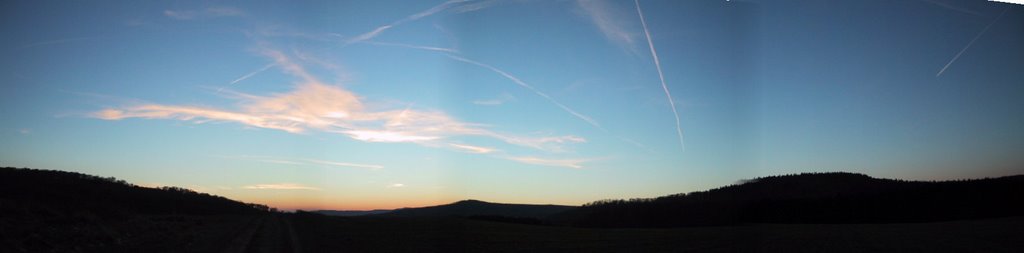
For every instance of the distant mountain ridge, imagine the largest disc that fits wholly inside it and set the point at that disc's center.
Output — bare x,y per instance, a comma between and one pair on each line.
349,213
835,197
470,208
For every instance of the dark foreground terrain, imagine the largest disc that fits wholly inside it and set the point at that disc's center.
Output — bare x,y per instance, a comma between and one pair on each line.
317,233
366,234
56,211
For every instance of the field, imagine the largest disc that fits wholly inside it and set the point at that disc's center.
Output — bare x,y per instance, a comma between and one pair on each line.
319,233
53,211
356,234
149,233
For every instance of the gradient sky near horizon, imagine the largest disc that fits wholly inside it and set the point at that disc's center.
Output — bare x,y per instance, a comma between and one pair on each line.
386,104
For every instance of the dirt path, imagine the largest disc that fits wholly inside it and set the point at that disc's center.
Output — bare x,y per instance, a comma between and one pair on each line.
296,247
266,234
245,235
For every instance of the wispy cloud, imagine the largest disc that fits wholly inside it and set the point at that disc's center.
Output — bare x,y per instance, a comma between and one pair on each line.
277,161
519,82
473,149
291,32
280,186
317,107
551,143
212,12
957,56
200,115
438,49
58,41
377,31
568,163
396,185
661,76
369,35
302,161
953,7
344,164
611,22
388,136
247,76
449,36
501,99
638,145
475,6
250,74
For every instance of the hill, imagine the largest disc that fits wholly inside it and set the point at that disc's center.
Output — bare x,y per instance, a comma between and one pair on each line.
57,211
811,198
476,208
61,191
54,211
348,213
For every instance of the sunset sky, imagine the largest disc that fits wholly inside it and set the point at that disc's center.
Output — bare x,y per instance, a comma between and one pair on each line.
386,104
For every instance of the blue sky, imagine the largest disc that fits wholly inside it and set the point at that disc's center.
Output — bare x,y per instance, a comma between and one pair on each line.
384,104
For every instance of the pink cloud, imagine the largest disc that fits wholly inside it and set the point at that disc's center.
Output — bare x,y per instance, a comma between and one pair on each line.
313,106
568,163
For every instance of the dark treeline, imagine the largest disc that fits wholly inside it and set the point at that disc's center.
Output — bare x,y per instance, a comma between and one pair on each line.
38,192
58,211
811,198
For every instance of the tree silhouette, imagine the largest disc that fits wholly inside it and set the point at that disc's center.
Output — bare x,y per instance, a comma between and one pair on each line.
828,197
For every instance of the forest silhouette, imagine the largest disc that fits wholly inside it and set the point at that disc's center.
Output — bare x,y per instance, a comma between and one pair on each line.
57,211
832,197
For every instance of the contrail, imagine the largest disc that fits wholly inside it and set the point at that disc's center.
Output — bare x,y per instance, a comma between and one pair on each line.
422,14
972,42
657,64
637,144
451,54
57,41
247,76
439,49
534,90
951,7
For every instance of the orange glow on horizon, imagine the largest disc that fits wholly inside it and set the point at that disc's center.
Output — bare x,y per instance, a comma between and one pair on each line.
292,205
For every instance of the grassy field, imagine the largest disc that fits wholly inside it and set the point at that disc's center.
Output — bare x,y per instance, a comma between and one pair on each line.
318,233
155,233
356,234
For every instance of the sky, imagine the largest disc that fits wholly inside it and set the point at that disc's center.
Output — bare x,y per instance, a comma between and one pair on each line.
385,104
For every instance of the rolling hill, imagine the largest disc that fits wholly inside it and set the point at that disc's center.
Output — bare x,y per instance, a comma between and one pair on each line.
60,191
57,211
811,198
471,208
350,213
